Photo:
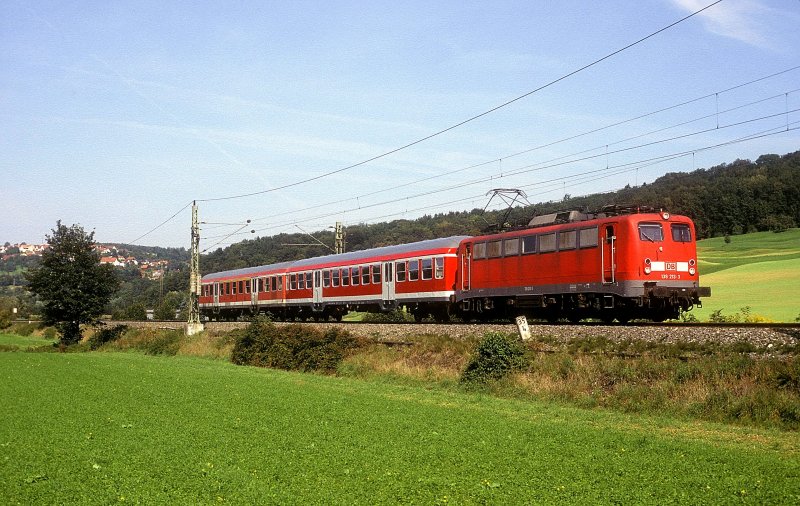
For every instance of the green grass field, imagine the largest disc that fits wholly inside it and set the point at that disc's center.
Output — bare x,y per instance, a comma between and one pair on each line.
124,427
760,270
22,342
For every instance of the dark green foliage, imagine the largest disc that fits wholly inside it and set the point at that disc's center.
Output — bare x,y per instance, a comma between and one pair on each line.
106,335
70,282
396,316
292,347
134,312
495,356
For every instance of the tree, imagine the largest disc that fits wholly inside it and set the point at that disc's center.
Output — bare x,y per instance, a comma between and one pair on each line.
72,285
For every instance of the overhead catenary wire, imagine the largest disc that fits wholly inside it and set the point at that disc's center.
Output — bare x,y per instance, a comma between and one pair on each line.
550,144
627,167
559,162
468,120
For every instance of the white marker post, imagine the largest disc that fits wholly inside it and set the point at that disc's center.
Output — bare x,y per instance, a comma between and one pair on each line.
522,327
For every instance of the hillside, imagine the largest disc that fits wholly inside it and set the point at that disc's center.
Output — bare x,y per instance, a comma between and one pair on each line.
729,199
760,271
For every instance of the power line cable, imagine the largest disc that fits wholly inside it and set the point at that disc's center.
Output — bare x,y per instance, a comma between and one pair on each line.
468,120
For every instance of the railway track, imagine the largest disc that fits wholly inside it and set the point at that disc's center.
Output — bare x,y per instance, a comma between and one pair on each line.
757,334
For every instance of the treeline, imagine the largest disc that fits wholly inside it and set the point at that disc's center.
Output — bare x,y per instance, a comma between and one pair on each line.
727,199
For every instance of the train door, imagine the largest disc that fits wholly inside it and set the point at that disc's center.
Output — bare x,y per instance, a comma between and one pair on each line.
387,287
254,292
216,294
466,268
317,287
609,253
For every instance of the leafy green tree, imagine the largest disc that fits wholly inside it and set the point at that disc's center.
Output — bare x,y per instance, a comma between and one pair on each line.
72,285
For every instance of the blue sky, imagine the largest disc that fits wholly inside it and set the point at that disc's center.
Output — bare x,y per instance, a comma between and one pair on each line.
117,114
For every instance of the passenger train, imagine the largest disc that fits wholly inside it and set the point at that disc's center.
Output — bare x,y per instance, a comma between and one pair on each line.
619,263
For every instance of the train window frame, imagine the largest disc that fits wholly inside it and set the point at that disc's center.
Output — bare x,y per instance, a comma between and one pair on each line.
547,243
567,240
346,276
293,281
649,226
479,251
438,267
233,287
335,278
365,274
426,269
413,270
494,249
511,247
247,285
532,241
326,278
400,271
355,276
376,274
684,232
309,280
588,233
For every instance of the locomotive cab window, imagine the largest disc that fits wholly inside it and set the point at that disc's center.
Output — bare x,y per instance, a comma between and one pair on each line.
651,232
681,232
479,251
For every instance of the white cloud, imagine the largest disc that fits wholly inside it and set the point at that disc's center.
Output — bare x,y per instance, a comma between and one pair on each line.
742,20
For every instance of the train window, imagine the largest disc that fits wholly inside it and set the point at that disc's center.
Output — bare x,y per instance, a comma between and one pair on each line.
326,278
346,276
681,232
260,285
479,251
292,281
247,286
233,288
651,232
494,249
376,273
439,267
413,270
567,239
273,283
547,242
365,274
280,283
427,268
241,286
400,267
511,247
354,276
587,237
528,244
309,277
335,277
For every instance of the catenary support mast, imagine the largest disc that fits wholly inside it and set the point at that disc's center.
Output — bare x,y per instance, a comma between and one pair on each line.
194,326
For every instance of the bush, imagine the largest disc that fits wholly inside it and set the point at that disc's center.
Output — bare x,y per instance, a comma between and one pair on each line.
106,335
396,316
495,356
292,347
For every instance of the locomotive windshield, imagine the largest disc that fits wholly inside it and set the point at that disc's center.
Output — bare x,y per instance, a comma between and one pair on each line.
681,233
651,232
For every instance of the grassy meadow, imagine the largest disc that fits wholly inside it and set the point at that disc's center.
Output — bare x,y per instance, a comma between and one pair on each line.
759,270
112,427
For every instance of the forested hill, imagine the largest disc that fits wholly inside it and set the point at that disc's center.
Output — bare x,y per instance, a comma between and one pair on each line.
728,199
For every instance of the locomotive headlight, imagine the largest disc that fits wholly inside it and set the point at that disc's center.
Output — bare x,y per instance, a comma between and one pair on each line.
692,271
665,216
647,261
647,270
691,262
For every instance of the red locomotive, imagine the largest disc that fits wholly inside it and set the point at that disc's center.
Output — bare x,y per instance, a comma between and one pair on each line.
619,263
